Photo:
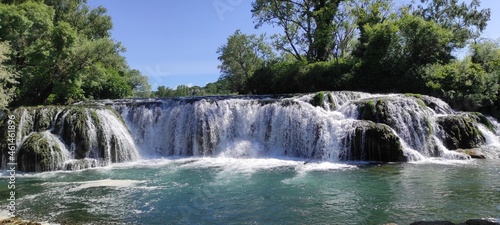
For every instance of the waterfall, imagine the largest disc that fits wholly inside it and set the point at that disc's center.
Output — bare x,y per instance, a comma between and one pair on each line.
70,137
332,126
181,127
262,126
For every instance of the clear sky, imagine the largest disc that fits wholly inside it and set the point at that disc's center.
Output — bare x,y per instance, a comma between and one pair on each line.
174,42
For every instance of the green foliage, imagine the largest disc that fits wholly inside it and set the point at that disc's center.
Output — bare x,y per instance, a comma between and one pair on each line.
464,84
395,52
487,54
63,53
7,78
308,26
183,91
465,21
299,76
240,57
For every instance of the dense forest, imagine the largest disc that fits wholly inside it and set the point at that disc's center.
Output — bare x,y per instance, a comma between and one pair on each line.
60,51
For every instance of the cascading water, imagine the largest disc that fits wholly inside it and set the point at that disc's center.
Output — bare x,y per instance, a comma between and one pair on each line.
73,137
291,126
206,127
332,126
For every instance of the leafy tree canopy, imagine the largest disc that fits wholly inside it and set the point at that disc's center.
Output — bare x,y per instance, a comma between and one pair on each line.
63,53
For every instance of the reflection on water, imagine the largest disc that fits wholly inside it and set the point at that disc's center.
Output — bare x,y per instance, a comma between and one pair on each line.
261,191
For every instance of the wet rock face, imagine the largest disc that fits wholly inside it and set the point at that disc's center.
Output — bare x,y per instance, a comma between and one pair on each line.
39,152
53,138
374,110
372,142
459,132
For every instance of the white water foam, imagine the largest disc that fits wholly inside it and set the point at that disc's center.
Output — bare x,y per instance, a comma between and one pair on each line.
104,183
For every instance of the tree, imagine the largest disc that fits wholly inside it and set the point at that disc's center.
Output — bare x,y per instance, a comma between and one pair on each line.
240,57
63,53
307,25
465,21
463,84
487,54
344,29
396,50
369,13
164,92
7,78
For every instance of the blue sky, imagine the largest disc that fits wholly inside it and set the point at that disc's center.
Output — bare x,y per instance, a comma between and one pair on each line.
175,42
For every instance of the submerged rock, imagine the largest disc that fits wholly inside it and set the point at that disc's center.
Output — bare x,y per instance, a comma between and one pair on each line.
370,141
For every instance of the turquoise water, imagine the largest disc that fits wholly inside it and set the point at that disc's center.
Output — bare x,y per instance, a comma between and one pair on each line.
261,191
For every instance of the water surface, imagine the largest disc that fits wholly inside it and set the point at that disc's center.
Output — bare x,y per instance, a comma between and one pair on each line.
261,191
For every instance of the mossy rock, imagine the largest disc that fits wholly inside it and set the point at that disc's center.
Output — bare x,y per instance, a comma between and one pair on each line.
418,99
44,118
372,142
460,132
73,125
38,154
413,95
331,100
374,110
318,100
480,118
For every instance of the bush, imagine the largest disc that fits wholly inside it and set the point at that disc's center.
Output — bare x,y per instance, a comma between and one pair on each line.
299,77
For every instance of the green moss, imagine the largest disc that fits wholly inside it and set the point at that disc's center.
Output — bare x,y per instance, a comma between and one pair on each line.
480,118
367,108
413,95
418,98
318,99
429,126
331,101
460,131
372,142
35,154
421,103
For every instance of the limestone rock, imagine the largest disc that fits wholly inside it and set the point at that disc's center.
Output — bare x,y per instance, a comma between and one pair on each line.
459,132
370,141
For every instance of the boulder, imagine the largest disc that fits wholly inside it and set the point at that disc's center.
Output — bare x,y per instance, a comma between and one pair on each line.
371,141
73,123
374,110
41,152
474,153
459,132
